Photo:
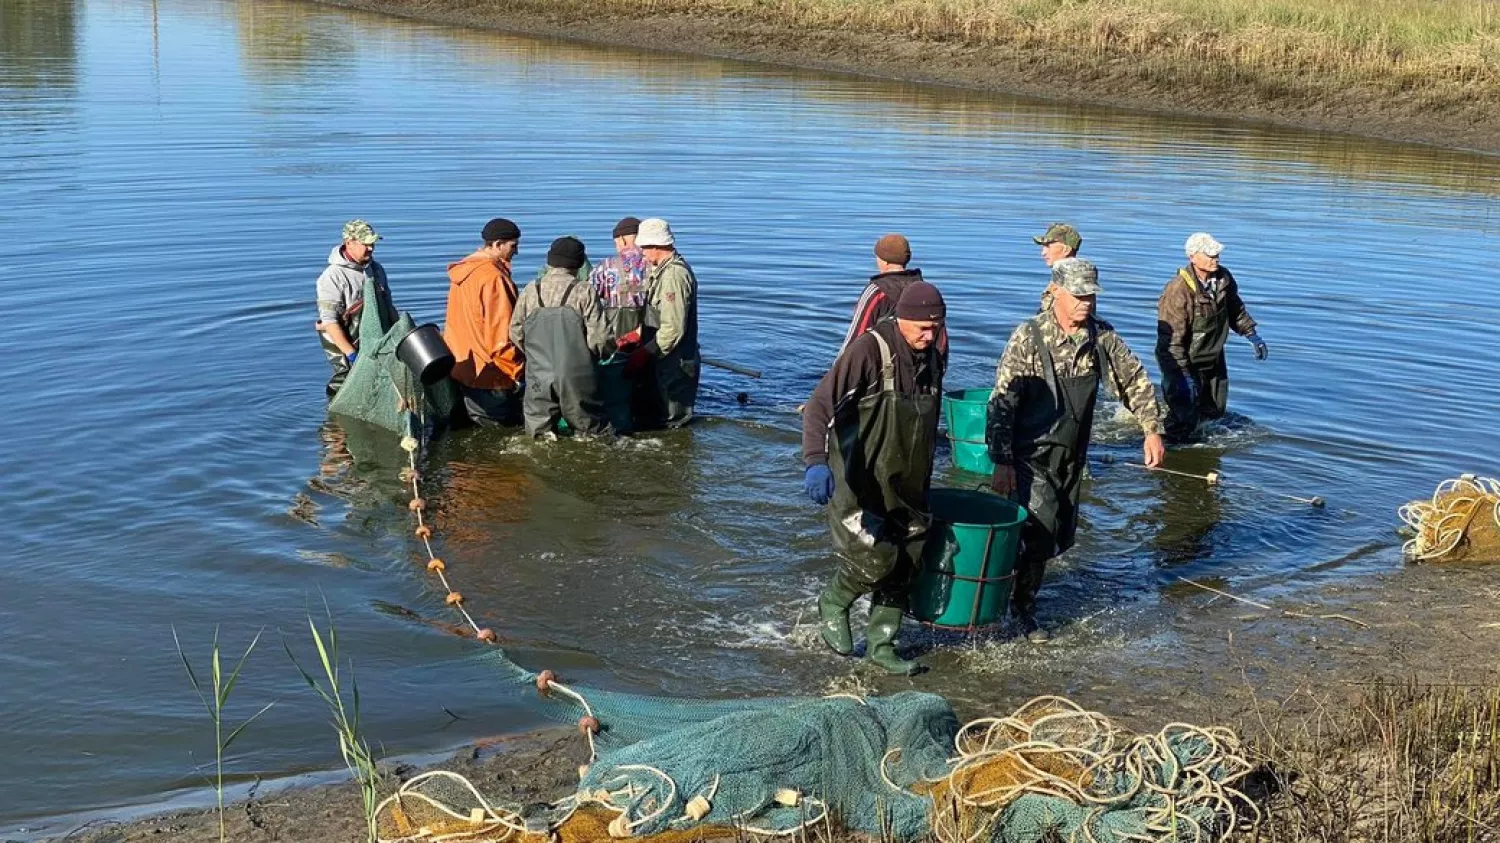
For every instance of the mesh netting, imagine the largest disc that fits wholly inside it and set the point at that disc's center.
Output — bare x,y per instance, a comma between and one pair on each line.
380,389
898,768
1461,523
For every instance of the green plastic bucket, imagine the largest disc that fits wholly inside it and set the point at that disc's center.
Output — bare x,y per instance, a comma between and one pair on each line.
969,562
967,412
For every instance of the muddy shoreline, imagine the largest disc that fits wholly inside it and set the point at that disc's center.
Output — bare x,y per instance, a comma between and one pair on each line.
1430,625
1111,82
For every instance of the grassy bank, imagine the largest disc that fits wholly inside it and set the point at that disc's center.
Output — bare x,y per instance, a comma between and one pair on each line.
1388,762
1424,70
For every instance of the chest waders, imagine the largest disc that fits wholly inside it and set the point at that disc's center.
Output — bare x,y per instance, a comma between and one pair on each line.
1052,430
1206,364
560,380
881,459
675,390
349,320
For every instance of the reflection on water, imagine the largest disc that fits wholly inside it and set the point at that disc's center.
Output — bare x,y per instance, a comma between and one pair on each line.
287,42
38,47
176,468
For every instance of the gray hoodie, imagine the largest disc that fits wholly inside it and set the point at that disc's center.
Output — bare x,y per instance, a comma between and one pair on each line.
341,291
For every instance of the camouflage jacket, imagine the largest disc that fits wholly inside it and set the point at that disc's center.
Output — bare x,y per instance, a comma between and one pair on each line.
1072,355
1186,299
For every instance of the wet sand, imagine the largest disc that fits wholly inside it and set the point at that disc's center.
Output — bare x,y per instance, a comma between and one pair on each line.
1347,109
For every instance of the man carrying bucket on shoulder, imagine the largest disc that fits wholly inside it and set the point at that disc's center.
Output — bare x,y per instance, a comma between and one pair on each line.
341,298
868,437
1042,413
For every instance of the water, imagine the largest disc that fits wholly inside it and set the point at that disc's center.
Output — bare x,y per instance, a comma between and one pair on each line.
174,173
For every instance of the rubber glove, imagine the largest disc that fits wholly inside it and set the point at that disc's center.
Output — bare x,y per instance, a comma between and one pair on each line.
818,484
637,361
1261,350
628,341
349,358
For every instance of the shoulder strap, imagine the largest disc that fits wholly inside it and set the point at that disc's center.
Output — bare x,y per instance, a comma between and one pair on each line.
1049,369
561,302
1188,278
887,365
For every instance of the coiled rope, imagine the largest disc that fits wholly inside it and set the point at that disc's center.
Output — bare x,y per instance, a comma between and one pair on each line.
1442,523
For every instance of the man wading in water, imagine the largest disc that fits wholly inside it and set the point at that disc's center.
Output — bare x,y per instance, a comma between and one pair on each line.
341,298
670,346
559,325
1193,318
868,437
481,300
1042,412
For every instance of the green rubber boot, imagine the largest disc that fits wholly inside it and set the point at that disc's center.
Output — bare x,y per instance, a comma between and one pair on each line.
833,612
885,622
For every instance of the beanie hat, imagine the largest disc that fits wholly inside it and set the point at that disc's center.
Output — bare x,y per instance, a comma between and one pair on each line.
626,227
921,302
566,253
893,248
500,230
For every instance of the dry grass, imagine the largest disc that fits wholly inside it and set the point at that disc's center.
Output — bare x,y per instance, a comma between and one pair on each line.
1443,53
1396,762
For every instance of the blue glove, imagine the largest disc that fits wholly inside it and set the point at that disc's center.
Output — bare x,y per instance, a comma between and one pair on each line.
818,484
1261,351
349,358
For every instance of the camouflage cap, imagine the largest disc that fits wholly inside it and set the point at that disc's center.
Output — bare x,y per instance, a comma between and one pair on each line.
1077,276
360,231
1060,232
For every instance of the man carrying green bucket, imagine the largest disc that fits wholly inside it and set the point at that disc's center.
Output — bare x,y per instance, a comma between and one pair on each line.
868,437
1042,413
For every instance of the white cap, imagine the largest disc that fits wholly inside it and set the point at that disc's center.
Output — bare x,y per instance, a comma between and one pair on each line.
654,232
1205,243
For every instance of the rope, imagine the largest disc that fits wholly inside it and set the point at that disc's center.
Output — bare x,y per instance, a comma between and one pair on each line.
1052,747
1442,523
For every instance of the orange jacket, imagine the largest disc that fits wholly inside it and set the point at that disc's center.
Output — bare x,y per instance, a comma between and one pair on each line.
480,300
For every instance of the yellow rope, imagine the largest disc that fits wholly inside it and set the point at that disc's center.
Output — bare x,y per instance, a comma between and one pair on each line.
1442,523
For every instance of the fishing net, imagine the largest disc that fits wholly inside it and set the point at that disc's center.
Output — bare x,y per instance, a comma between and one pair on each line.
1460,524
898,768
380,389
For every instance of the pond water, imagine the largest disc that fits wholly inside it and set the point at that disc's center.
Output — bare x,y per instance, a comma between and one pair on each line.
175,172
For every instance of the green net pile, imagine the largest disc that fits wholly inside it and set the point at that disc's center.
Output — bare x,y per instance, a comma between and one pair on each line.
896,768
380,389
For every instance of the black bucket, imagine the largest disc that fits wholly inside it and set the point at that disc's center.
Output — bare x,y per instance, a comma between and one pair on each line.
425,354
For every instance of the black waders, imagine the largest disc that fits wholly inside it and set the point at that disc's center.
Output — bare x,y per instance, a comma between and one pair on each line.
882,467
1053,424
1207,370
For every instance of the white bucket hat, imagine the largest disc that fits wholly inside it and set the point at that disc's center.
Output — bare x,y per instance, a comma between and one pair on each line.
1205,243
654,232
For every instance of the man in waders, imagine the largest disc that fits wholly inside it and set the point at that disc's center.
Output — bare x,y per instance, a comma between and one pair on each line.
1193,318
1042,413
559,325
891,278
341,298
670,331
481,301
620,282
1059,241
868,436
